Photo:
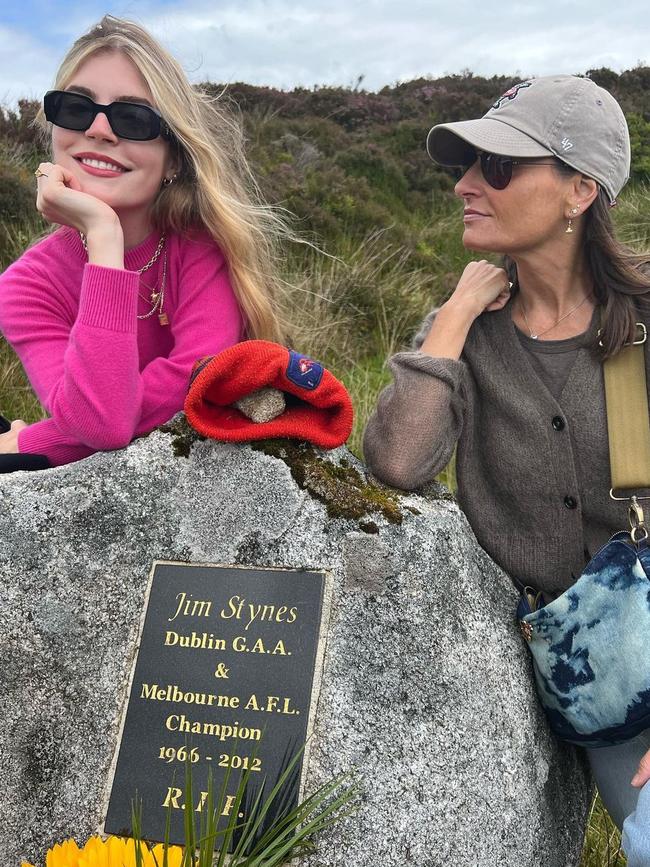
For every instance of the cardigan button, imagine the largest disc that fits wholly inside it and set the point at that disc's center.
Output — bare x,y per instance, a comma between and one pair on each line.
570,502
558,423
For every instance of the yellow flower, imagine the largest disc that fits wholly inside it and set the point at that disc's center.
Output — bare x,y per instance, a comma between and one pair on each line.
113,852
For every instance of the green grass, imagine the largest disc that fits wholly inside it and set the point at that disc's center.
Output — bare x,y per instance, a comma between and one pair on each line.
17,399
602,846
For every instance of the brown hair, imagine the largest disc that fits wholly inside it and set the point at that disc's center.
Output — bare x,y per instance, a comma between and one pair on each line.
621,277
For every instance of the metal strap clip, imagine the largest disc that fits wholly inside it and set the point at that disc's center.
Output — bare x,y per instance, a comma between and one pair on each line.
641,336
620,499
639,531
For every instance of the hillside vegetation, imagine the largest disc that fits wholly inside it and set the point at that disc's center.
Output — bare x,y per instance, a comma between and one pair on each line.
347,161
352,167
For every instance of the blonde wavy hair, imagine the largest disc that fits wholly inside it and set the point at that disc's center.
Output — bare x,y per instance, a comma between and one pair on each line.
215,188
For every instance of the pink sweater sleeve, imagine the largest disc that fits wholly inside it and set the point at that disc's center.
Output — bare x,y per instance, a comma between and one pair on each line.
87,373
84,373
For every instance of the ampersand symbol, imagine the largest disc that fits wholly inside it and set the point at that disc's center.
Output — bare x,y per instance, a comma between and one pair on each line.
222,671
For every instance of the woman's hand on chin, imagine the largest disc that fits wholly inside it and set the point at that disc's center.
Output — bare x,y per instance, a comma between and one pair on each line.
60,200
9,440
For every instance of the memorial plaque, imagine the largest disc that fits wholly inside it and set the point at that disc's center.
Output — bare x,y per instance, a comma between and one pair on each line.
225,673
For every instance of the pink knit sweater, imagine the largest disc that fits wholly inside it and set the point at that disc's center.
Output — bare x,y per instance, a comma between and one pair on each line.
102,374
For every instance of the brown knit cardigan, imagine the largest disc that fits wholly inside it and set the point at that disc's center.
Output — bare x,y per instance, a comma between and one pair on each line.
532,471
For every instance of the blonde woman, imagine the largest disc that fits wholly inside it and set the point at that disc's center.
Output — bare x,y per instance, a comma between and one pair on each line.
163,251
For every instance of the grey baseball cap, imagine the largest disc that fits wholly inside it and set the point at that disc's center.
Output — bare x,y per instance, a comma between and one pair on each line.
559,115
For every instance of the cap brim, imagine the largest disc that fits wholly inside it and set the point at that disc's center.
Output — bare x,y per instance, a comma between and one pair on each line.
447,143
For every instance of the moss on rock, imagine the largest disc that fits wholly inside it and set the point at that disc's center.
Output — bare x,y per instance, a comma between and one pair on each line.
343,490
183,436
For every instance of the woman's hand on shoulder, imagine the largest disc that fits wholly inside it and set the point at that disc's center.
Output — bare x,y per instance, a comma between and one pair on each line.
60,200
482,286
9,440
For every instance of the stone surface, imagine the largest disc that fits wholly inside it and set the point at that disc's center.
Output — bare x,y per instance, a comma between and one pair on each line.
427,688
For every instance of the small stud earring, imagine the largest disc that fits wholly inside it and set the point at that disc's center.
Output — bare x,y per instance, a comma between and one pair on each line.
169,181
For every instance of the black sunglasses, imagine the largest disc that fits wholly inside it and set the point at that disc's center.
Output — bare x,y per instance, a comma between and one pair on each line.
497,169
129,120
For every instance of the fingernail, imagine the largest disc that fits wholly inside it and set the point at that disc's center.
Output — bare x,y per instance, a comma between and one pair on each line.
636,779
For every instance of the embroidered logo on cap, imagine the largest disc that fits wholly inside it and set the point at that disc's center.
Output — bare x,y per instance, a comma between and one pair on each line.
510,94
303,371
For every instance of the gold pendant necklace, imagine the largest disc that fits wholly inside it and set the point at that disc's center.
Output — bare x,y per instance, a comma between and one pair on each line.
157,298
539,334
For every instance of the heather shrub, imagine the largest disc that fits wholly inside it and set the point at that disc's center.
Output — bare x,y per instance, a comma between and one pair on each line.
640,145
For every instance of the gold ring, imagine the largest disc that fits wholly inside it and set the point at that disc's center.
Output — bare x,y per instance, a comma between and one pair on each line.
39,174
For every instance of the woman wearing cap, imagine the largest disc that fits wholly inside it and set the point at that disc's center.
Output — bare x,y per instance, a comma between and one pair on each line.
510,368
163,252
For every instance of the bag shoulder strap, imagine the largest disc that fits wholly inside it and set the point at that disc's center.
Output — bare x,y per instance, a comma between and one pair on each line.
628,419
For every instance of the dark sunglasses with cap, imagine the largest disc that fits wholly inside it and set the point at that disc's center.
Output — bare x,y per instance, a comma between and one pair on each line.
563,117
497,168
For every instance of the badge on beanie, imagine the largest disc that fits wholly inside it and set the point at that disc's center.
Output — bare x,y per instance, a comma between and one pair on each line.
304,372
200,365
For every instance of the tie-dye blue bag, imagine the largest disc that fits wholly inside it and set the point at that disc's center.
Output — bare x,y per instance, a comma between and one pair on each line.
591,646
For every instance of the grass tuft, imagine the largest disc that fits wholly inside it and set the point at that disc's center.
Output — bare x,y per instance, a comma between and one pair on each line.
602,846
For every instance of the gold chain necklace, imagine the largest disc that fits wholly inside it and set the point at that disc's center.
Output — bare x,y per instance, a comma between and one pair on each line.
157,298
555,324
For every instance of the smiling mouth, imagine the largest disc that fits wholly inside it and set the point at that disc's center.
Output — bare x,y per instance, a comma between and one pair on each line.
101,164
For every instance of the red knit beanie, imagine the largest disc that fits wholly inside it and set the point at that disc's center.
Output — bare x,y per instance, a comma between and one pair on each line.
318,409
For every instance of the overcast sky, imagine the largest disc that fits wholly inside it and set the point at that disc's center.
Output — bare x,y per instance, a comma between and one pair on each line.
286,43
